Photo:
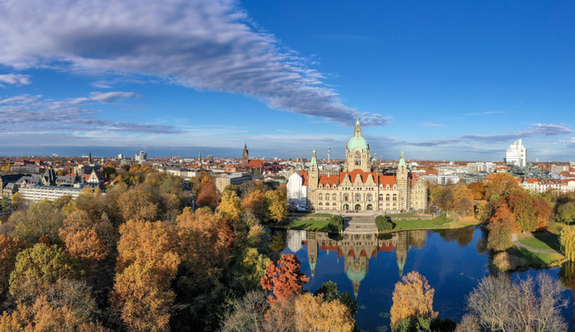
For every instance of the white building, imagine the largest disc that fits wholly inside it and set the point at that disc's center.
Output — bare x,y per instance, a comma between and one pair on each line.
295,239
38,193
516,154
142,156
545,185
296,192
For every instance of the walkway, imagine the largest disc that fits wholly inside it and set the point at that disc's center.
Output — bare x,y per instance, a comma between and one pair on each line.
519,244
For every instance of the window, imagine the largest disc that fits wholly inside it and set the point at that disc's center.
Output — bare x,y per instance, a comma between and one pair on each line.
333,204
369,197
334,197
357,207
345,197
387,197
357,197
346,207
369,207
395,197
381,197
327,197
320,197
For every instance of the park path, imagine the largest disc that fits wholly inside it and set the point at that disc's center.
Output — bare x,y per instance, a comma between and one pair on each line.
519,244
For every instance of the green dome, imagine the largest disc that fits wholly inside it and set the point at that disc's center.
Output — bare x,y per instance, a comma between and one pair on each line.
356,276
356,141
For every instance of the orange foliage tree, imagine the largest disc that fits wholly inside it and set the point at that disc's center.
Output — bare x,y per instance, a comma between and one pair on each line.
412,297
284,279
254,205
522,207
543,211
312,313
502,184
81,237
477,189
207,194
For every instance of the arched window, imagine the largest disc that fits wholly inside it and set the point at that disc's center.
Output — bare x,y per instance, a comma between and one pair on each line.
394,204
381,197
380,204
357,197
386,204
334,197
345,197
395,197
369,207
327,197
387,197
333,204
320,197
320,203
357,207
369,197
327,186
346,207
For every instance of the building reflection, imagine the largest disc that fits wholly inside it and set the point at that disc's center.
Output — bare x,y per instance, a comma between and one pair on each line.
357,249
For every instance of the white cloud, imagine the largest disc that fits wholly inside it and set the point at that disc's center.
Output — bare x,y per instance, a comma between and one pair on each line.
15,79
202,44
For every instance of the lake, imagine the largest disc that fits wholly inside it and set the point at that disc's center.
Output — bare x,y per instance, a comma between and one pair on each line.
453,261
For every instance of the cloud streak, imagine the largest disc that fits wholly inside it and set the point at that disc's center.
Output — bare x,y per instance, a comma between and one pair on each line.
14,79
201,44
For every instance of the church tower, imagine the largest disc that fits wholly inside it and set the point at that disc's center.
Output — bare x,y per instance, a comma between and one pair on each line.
245,156
403,183
313,179
357,155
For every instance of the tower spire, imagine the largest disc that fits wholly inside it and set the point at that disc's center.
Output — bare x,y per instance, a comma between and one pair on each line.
357,131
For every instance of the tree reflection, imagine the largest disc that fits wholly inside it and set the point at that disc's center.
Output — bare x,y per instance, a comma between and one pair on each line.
463,236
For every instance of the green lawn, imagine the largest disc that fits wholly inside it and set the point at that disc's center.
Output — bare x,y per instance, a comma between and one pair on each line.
411,224
536,257
543,241
312,224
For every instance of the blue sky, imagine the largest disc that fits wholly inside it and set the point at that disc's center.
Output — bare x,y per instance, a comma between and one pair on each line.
442,80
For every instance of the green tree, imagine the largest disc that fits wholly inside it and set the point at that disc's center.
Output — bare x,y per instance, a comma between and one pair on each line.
251,267
383,223
41,218
567,240
335,224
566,213
330,293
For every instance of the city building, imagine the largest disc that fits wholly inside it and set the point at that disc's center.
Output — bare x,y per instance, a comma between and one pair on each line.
38,193
142,156
358,187
516,155
235,179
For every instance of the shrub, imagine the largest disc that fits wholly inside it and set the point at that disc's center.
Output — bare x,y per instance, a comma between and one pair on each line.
384,223
336,224
441,219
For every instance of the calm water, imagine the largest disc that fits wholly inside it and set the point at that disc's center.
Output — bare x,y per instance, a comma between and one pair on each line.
453,261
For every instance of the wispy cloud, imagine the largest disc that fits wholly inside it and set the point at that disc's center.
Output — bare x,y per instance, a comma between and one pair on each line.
31,114
14,79
431,124
202,44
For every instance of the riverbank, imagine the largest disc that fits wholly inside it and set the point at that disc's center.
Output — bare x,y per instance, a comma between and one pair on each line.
531,250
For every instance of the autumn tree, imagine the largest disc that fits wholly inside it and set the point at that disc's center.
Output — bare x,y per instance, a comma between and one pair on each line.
522,207
231,206
284,279
567,240
330,293
254,205
138,203
444,199
42,266
543,210
202,242
464,206
9,248
502,184
248,314
86,239
207,194
251,267
312,313
276,204
483,210
477,190
412,297
499,237
503,213
41,218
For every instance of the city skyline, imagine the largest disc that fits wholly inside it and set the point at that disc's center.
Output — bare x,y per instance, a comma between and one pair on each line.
442,81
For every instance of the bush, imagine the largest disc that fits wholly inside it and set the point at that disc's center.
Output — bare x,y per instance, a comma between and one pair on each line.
441,219
335,224
384,223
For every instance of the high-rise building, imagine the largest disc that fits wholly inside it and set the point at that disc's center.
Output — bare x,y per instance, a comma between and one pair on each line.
516,154
142,156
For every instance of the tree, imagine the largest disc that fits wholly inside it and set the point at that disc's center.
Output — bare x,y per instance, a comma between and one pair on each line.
202,240
42,265
335,224
566,213
330,293
483,210
41,218
254,204
248,313
444,200
464,206
503,213
383,223
542,212
499,237
277,205
500,305
231,206
207,194
17,200
477,190
81,238
522,207
412,297
251,267
143,298
9,248
502,184
138,203
463,192
312,313
284,279
567,240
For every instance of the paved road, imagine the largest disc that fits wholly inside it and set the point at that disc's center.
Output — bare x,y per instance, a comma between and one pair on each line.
519,244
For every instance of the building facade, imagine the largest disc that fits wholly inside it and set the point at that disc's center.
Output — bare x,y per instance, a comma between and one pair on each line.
358,187
516,154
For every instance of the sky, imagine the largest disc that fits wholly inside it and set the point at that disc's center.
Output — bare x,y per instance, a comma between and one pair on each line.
440,80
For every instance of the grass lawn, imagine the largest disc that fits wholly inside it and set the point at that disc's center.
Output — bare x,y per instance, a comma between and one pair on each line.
411,224
312,224
536,257
541,240
405,215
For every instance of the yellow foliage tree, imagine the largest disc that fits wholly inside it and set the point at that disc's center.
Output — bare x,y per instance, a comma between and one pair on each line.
567,240
412,297
277,205
255,204
502,184
231,206
312,313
